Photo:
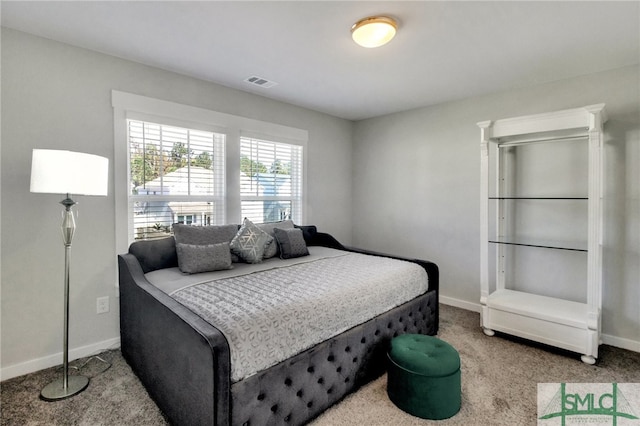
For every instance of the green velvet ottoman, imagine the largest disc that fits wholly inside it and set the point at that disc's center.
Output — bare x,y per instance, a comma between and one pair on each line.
424,376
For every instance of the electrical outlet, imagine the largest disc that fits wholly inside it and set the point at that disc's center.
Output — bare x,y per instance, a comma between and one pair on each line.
102,305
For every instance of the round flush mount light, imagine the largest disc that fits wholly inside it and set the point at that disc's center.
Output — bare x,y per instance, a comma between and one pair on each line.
374,31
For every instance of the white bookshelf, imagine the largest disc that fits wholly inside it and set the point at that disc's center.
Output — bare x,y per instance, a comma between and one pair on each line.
569,320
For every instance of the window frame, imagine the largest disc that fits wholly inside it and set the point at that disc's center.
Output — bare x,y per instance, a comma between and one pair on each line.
131,106
219,187
298,185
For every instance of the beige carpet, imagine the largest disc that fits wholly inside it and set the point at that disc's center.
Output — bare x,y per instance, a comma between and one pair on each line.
499,378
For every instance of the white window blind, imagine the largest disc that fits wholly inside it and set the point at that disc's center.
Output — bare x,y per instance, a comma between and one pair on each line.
270,180
176,176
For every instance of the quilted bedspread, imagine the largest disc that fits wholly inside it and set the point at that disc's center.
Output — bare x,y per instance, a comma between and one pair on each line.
273,314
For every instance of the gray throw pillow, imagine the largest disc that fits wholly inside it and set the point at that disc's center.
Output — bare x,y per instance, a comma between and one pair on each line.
291,243
204,235
194,258
250,242
272,249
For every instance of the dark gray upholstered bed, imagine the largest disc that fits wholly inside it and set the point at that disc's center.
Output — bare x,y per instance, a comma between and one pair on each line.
184,362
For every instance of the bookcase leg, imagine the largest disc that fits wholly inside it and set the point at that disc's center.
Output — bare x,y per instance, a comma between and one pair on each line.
588,359
488,331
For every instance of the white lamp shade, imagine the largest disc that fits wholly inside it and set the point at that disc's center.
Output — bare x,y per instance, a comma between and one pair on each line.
67,172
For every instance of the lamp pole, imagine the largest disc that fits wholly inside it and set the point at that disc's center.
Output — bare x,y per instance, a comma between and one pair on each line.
68,385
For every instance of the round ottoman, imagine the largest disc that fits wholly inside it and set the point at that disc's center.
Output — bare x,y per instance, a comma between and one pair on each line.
424,376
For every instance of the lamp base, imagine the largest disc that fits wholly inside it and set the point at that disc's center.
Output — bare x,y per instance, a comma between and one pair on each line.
56,391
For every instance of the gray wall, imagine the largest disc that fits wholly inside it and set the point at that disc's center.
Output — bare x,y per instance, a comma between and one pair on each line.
409,182
416,186
58,96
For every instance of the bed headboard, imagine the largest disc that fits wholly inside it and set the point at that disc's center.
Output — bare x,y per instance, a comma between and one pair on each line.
161,253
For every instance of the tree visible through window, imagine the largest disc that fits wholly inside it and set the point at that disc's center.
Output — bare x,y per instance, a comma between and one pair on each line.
176,176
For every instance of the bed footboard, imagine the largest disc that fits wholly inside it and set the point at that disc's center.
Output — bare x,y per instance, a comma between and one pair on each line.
182,360
299,389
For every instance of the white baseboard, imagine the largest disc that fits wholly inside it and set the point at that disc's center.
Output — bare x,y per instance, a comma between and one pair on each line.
620,342
56,359
607,339
463,304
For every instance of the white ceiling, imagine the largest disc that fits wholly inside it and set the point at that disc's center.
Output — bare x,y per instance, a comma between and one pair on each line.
443,50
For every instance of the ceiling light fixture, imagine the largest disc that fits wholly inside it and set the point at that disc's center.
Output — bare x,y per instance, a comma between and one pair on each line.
374,31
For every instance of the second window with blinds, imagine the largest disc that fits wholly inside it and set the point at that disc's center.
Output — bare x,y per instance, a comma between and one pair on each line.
270,180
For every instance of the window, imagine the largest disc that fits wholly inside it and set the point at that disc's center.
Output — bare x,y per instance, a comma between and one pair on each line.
176,176
186,219
177,163
270,180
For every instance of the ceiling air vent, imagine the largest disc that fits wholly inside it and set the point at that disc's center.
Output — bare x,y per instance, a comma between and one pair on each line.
259,81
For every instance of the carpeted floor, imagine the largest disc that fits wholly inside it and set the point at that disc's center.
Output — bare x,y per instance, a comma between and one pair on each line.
499,386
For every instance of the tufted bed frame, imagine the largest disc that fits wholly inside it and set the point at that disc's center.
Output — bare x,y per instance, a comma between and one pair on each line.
184,362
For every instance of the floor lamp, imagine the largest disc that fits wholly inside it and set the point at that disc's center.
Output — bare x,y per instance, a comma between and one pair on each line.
67,172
